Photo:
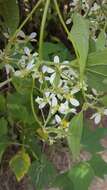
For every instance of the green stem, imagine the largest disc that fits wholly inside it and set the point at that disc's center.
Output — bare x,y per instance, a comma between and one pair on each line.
21,26
42,28
64,26
32,106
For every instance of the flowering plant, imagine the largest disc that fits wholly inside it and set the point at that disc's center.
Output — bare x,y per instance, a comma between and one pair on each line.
46,98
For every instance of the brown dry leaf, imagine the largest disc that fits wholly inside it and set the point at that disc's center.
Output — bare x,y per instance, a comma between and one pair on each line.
98,184
104,142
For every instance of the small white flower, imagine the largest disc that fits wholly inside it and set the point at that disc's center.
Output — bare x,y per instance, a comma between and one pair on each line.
57,118
74,102
27,51
96,117
56,59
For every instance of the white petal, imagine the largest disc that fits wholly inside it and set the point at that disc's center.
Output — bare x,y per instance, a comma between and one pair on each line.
47,69
97,118
54,101
105,111
56,59
42,105
47,94
50,70
17,73
73,110
39,100
94,91
75,90
57,119
74,102
68,21
21,34
33,35
63,107
27,51
29,66
52,78
44,69
93,116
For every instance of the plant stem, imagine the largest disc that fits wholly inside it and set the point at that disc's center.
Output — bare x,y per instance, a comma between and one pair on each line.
32,106
42,28
64,26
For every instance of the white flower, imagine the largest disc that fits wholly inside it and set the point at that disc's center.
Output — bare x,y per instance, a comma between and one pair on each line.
96,117
74,102
56,59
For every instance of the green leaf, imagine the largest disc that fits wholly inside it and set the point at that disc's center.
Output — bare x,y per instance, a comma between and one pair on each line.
3,127
97,58
3,136
63,182
20,164
99,166
91,138
97,70
42,173
51,49
79,35
2,103
81,175
101,41
103,100
10,12
74,134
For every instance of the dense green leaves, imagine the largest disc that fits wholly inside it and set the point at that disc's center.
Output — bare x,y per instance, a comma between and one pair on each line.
20,164
74,134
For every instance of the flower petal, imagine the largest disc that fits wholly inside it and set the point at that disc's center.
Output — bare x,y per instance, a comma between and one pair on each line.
57,119
56,59
97,118
74,102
